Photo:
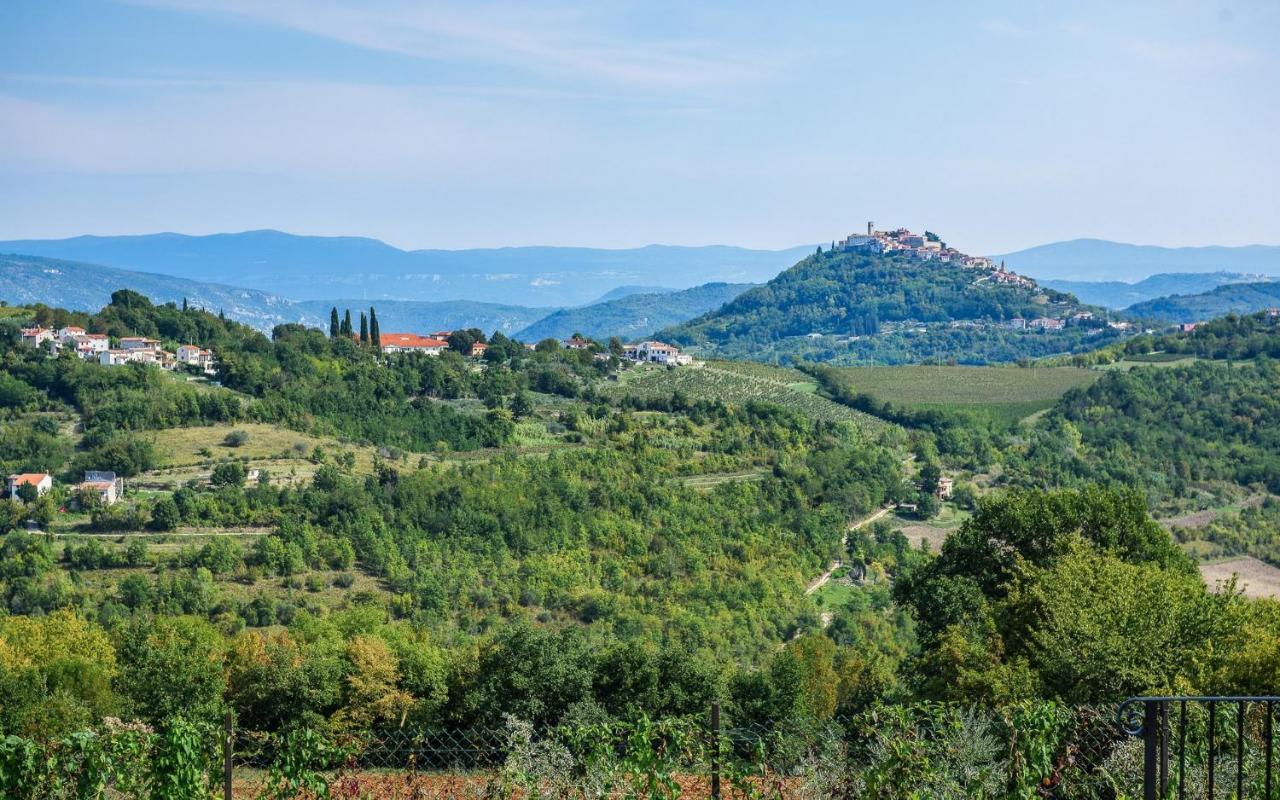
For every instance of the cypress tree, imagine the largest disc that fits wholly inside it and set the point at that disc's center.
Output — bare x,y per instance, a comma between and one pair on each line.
345,330
364,328
375,333
334,325
184,304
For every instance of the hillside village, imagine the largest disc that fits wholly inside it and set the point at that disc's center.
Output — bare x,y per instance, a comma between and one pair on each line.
129,349
928,246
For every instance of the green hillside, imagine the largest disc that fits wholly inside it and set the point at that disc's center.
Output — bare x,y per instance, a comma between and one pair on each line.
633,316
855,307
1236,298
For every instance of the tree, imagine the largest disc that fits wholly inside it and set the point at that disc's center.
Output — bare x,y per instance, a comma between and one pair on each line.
335,326
228,473
345,330
171,667
521,405
372,693
165,515
375,332
27,493
55,674
364,328
930,474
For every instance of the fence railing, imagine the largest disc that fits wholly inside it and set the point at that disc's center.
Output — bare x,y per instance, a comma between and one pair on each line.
1219,746
1150,747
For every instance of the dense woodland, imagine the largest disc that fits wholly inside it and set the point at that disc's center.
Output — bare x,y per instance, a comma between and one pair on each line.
655,559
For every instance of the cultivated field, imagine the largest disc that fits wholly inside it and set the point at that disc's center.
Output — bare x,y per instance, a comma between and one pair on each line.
1256,578
736,382
1006,393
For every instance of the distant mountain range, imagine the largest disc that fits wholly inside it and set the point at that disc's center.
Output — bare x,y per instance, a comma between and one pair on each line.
416,316
70,284
633,315
87,287
1100,260
1239,298
625,291
1118,294
322,267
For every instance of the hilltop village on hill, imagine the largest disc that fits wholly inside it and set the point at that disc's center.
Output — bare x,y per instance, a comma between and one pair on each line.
928,246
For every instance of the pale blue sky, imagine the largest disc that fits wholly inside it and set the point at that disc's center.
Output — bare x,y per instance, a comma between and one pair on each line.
462,124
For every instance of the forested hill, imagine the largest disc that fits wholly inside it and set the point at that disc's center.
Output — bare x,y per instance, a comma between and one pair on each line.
634,315
1237,298
831,296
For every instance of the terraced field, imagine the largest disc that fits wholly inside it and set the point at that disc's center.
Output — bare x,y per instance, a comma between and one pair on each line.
1007,393
186,453
739,382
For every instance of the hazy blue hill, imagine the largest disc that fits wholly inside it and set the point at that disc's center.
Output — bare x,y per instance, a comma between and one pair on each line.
88,287
1100,260
420,316
1238,298
625,291
320,267
634,315
1119,294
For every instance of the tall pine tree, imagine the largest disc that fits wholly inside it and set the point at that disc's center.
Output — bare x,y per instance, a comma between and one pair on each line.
334,326
345,330
364,328
375,333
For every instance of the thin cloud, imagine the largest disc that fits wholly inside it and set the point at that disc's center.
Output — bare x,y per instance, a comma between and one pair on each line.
560,43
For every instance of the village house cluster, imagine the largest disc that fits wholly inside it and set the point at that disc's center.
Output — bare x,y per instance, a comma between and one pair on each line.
130,349
927,247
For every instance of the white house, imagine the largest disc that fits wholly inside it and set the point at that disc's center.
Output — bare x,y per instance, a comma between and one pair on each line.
43,482
657,353
188,354
89,345
68,333
138,343
34,337
114,358
105,485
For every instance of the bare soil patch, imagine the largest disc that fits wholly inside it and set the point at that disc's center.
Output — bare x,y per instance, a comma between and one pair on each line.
1256,578
917,535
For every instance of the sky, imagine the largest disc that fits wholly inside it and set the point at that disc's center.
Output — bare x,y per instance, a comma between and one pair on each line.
615,124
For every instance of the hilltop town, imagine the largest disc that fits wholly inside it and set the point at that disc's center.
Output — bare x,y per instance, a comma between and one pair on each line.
927,246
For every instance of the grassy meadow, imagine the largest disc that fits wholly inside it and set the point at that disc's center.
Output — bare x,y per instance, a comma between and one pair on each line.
1008,394
740,382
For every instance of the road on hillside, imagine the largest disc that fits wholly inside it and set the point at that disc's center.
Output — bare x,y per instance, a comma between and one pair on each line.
821,580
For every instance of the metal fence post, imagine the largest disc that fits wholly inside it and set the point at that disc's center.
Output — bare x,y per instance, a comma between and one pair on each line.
1150,739
715,751
228,733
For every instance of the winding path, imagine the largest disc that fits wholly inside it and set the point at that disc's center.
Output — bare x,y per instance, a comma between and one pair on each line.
821,580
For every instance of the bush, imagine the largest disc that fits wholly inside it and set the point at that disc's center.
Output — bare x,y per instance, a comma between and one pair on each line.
236,439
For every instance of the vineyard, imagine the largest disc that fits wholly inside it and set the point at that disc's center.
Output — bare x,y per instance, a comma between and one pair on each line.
733,382
1005,393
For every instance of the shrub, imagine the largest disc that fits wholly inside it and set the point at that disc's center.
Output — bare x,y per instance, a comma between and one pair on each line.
236,438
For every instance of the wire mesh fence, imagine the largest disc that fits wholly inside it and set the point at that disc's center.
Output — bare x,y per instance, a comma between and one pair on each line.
1161,747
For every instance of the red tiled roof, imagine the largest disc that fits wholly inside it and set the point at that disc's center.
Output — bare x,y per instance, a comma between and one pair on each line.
25,478
411,340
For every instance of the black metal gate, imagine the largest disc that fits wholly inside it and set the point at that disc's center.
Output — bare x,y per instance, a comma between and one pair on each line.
1203,746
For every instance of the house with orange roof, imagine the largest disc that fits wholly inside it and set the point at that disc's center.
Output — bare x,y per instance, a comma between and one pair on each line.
43,482
412,343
